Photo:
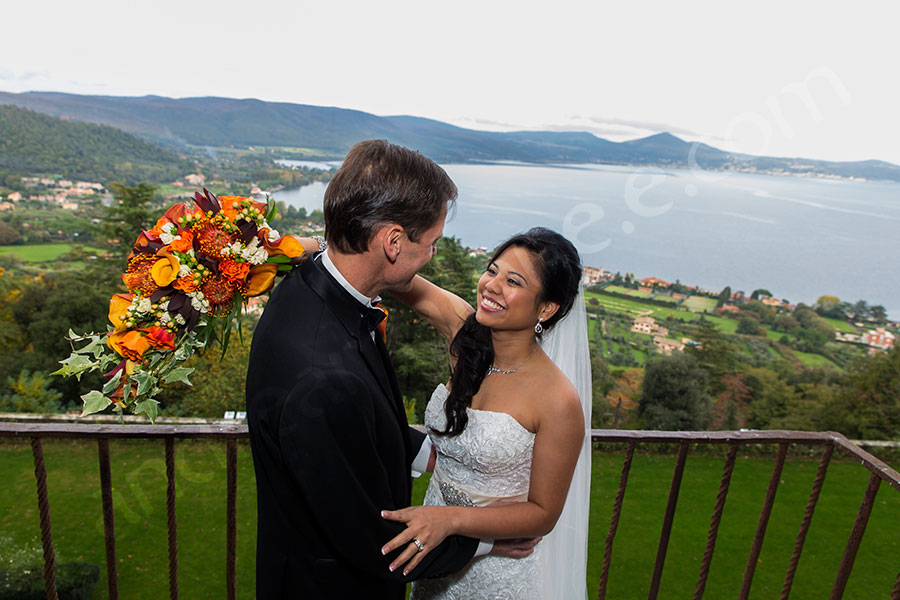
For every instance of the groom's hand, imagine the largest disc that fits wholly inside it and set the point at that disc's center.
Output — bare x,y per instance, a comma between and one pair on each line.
515,548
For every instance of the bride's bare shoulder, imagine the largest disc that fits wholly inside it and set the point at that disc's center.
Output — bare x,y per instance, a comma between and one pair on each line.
558,397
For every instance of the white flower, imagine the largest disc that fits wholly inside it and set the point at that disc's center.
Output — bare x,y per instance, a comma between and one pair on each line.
184,270
273,235
259,257
145,305
168,238
164,318
179,319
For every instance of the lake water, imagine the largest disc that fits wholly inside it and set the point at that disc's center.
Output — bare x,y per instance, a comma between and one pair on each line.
800,238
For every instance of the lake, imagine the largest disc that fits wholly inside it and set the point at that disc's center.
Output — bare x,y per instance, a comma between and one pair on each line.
798,237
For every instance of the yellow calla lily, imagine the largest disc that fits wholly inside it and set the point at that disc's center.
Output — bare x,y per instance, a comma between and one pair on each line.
165,270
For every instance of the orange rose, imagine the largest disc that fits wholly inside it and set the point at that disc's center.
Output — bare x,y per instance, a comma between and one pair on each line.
260,279
130,344
234,270
233,203
185,243
185,284
160,223
165,270
117,305
160,338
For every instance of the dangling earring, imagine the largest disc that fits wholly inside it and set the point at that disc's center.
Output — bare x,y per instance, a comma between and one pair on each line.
538,329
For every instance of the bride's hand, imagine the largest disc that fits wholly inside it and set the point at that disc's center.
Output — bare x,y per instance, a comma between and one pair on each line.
429,525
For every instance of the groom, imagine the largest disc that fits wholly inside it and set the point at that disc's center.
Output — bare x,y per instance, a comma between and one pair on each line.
331,444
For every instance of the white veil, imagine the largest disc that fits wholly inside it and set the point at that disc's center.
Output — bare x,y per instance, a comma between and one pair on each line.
564,550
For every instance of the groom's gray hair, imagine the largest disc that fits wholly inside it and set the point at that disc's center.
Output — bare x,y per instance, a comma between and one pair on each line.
381,183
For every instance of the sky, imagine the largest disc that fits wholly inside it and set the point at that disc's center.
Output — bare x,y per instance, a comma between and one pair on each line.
800,79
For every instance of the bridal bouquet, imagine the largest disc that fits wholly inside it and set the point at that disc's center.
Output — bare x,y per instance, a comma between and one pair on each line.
188,279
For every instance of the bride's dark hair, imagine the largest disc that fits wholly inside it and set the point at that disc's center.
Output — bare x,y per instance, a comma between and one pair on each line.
559,268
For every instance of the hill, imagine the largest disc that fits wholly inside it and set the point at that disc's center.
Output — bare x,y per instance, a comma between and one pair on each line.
329,132
31,142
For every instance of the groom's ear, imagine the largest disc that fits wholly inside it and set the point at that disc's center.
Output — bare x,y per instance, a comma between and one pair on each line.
391,236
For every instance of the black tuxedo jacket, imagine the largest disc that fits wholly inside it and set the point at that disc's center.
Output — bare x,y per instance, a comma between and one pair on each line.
331,448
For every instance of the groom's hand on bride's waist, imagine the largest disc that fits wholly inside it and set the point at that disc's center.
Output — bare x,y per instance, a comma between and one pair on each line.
515,548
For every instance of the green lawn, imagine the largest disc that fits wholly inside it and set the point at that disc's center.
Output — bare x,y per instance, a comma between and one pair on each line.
635,308
139,494
39,252
616,289
841,325
700,304
813,360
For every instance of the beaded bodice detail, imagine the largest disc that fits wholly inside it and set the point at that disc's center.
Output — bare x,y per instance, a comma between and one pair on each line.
490,459
491,456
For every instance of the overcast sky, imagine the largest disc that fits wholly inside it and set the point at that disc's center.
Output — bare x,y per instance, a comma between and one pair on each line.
811,79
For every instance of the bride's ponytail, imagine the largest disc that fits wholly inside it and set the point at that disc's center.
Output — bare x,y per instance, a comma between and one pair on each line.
473,350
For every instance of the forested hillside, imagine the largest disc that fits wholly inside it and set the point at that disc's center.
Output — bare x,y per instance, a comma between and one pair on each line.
35,143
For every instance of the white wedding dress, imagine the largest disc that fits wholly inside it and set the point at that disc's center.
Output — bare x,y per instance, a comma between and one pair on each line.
490,460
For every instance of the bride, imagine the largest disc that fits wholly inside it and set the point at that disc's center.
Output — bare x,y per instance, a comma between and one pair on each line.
509,429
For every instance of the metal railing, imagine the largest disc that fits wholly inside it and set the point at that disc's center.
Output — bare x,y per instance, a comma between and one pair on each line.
879,472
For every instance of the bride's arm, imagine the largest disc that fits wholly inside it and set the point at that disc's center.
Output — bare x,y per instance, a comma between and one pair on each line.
445,311
556,447
309,244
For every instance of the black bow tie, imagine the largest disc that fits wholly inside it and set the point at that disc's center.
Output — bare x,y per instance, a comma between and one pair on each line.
372,317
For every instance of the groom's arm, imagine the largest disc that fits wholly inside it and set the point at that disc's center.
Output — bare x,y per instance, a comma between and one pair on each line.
327,434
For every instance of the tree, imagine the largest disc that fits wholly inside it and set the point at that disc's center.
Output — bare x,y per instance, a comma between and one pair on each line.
724,296
623,395
878,314
749,326
772,400
870,398
8,235
829,306
731,406
132,212
760,292
715,353
674,395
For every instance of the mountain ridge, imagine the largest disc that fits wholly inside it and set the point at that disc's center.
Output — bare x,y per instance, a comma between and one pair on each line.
330,131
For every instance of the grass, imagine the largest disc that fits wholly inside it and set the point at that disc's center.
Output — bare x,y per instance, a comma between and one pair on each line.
617,289
700,304
40,252
138,475
841,325
813,360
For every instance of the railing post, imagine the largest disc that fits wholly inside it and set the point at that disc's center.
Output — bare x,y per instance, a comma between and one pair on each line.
856,535
668,520
109,525
614,522
231,518
40,474
763,521
807,519
715,520
172,523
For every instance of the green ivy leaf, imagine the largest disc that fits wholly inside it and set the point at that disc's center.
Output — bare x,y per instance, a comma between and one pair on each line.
95,347
112,384
145,381
75,365
149,407
179,374
94,402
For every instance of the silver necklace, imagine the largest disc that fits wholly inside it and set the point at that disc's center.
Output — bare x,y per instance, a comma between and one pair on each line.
492,369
